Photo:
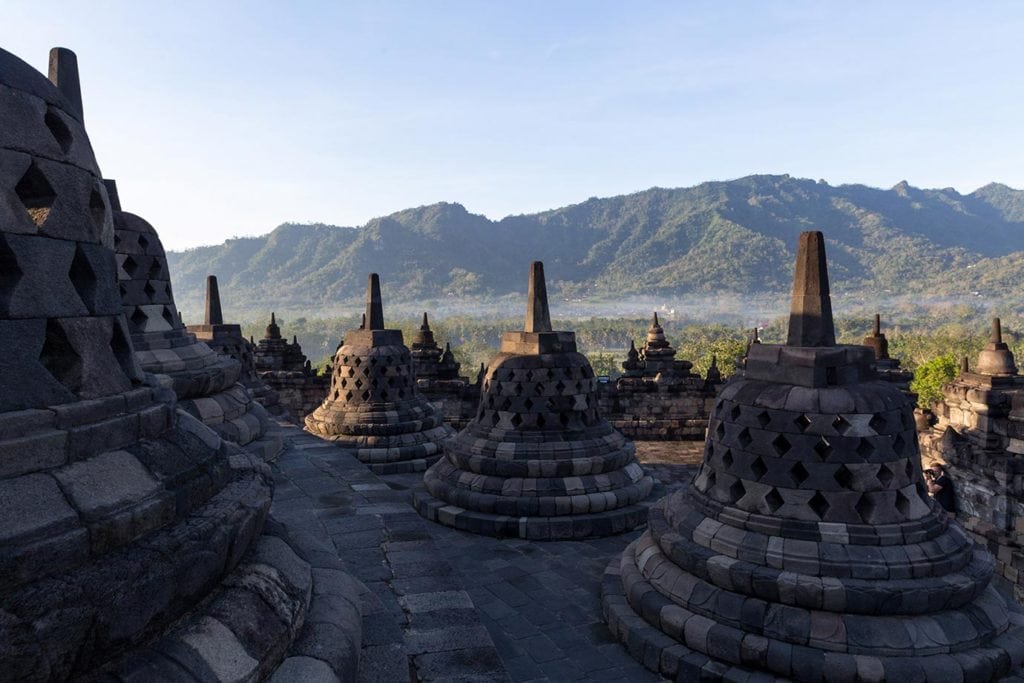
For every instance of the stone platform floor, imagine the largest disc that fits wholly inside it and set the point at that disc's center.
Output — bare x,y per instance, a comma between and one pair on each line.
445,605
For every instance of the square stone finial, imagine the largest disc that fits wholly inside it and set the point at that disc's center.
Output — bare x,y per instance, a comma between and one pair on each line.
538,316
810,316
64,75
374,304
214,316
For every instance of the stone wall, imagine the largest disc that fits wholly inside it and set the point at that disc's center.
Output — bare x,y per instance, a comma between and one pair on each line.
650,411
298,392
979,435
456,399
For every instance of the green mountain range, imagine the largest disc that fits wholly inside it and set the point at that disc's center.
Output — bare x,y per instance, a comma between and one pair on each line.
733,236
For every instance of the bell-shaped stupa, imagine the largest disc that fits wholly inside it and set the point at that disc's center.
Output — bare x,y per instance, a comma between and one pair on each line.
206,383
373,405
537,461
807,547
119,516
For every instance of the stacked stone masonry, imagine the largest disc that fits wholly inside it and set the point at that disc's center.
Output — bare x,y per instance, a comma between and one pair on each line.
283,368
807,548
373,405
978,433
130,533
207,384
537,461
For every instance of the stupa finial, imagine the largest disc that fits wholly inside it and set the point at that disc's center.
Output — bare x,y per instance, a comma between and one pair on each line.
538,317
64,75
425,325
654,322
374,305
214,316
877,330
810,316
997,331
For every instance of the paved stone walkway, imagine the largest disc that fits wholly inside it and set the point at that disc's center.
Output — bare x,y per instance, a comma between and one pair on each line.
445,605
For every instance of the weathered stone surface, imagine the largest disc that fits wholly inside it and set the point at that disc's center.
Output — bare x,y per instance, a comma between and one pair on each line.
807,546
537,461
118,515
373,405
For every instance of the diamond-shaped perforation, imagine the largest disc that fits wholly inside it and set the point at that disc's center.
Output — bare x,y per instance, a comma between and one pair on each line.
149,290
898,444
763,418
909,469
10,272
735,413
130,266
36,194
802,422
819,504
877,423
799,473
516,419
143,243
865,448
744,437
122,349
823,448
168,316
885,476
58,129
865,508
138,318
781,445
758,468
720,430
83,278
97,211
737,490
60,358
841,424
727,459
541,421
773,500
843,477
903,504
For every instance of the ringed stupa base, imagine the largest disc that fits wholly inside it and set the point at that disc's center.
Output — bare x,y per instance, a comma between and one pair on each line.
537,461
807,547
373,407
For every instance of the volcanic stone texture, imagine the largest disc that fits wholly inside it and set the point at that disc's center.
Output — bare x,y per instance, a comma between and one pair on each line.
374,406
807,548
538,461
205,382
117,514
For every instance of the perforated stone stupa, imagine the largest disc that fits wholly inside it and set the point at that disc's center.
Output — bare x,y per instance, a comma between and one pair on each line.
537,461
807,547
118,515
373,405
226,340
206,383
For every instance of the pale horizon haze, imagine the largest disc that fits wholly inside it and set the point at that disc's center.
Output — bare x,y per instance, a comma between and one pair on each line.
222,119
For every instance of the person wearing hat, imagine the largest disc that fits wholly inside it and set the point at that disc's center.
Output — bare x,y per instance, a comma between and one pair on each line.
940,486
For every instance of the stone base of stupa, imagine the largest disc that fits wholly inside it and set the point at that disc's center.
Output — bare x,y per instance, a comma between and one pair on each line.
728,636
535,528
395,454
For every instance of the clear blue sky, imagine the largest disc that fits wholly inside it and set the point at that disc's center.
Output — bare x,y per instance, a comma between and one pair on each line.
222,118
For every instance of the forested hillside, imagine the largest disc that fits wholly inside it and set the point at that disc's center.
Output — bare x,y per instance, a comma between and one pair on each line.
735,236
